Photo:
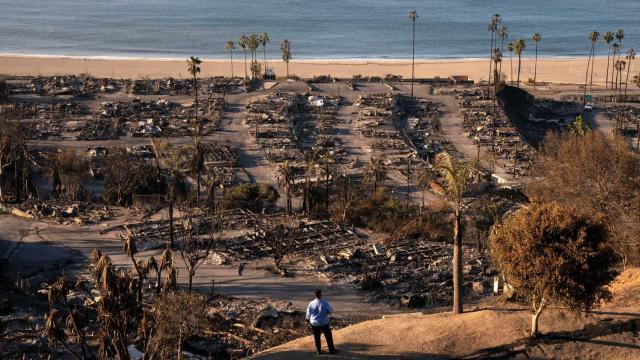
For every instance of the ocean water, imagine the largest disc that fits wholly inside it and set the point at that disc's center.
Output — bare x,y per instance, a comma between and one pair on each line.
320,29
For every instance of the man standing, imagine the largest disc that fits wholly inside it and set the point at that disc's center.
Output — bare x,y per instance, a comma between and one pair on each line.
318,313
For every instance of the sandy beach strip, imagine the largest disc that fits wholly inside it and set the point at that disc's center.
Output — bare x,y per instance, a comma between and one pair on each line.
553,70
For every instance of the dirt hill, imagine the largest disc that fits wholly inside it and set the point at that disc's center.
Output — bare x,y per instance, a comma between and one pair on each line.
610,332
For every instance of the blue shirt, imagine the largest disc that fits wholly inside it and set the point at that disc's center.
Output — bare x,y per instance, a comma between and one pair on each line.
318,312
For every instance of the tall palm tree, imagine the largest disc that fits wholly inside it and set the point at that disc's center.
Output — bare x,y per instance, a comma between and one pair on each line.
619,36
413,16
242,42
518,47
493,28
264,40
536,39
502,33
616,51
511,48
285,48
457,174
608,38
194,69
631,54
593,37
253,44
230,46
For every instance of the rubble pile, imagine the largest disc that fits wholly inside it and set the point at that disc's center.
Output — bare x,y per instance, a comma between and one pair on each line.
270,120
68,85
160,118
412,274
377,117
66,213
489,127
185,87
48,120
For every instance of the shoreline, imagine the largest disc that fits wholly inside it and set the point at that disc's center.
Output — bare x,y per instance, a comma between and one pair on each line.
566,70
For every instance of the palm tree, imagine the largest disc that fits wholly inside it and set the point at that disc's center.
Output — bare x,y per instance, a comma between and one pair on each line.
502,33
518,47
631,54
456,174
242,42
493,28
536,39
511,48
230,46
264,40
593,37
253,44
497,59
619,36
285,177
194,69
376,172
285,48
413,16
608,38
616,51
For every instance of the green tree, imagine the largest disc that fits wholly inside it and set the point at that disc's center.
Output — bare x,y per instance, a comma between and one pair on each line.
413,16
230,46
285,48
457,175
536,39
578,127
551,253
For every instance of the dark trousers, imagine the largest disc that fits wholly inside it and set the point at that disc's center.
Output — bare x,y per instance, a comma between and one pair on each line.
326,330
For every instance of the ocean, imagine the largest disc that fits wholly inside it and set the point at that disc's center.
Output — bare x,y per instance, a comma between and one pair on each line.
321,29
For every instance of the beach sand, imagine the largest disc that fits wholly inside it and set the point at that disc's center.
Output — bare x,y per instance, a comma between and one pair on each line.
558,71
